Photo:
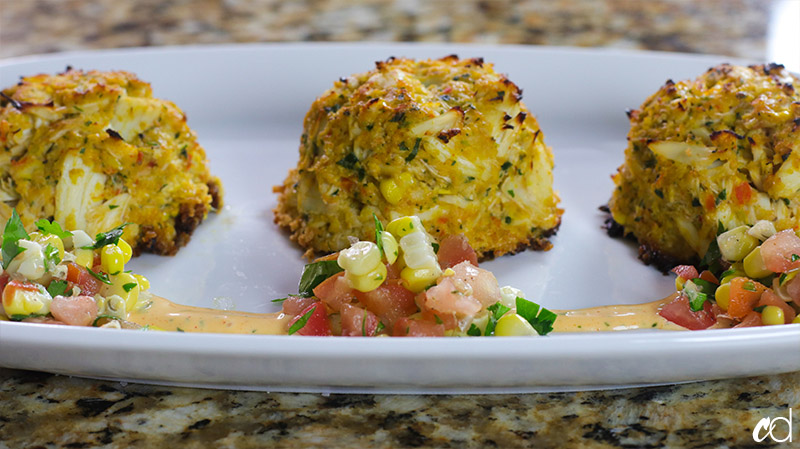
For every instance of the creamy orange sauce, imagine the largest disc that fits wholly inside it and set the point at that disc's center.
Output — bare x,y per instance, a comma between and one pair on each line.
170,316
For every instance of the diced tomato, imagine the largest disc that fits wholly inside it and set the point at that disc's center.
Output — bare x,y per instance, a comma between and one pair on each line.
392,271
769,298
685,272
406,327
792,288
709,277
74,310
752,319
318,324
455,249
448,320
3,280
744,295
390,302
358,322
710,202
79,276
781,252
293,305
335,291
679,312
483,283
743,192
445,299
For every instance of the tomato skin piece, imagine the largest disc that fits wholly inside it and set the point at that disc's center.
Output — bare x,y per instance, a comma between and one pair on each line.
454,249
390,302
752,319
686,272
777,251
769,298
679,312
335,292
406,327
318,324
293,305
79,276
709,277
4,280
742,300
358,322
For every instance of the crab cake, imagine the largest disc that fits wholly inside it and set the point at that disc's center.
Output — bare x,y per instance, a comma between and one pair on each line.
448,140
716,152
93,150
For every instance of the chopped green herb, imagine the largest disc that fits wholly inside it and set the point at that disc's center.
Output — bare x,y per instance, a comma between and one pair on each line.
414,151
364,324
659,193
759,309
52,227
722,196
179,329
749,286
654,325
473,331
299,324
508,220
57,288
129,286
795,257
696,299
506,165
438,320
112,206
316,272
51,256
540,318
704,286
712,258
13,232
378,231
435,247
349,161
184,154
511,192
279,299
380,327
720,228
102,277
108,238
497,310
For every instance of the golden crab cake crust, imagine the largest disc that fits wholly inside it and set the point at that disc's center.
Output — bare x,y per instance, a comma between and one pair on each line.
94,150
447,140
721,149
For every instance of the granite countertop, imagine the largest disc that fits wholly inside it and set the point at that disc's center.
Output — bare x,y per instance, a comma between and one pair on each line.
46,410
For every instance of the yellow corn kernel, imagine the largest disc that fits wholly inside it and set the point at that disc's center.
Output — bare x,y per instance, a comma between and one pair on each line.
406,180
360,258
391,191
84,257
48,239
419,279
679,283
390,248
736,243
737,271
111,259
723,295
401,227
796,320
126,287
144,283
127,251
22,302
369,281
772,315
513,325
754,265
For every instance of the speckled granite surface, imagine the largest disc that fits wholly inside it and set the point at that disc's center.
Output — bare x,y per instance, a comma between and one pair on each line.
43,410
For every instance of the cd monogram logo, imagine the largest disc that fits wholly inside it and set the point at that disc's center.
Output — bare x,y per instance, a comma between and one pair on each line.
766,426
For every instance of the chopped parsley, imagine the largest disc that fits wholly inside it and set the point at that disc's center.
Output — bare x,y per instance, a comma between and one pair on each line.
414,150
473,331
112,206
795,257
57,288
102,277
13,232
315,273
540,318
52,227
129,286
51,256
749,286
108,238
497,310
506,165
378,232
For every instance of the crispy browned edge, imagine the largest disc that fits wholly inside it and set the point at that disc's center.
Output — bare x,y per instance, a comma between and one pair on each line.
189,218
648,254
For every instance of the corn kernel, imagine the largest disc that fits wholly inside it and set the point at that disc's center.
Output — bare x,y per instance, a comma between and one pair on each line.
418,279
754,265
24,301
403,226
116,307
360,258
736,243
127,251
772,315
723,295
513,325
679,283
111,259
406,179
391,191
796,320
369,281
125,286
390,248
737,271
144,283
48,239
84,257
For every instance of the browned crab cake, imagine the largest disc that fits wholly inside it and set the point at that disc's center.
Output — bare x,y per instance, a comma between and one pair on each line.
448,140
